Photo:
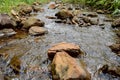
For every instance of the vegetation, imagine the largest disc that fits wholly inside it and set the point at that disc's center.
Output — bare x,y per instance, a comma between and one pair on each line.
110,5
6,5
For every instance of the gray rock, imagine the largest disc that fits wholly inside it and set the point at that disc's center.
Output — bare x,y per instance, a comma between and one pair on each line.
116,23
36,30
7,32
6,21
94,21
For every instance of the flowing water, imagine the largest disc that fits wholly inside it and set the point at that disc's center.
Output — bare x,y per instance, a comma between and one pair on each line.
32,51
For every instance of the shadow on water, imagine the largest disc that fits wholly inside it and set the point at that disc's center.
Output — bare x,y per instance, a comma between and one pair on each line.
32,51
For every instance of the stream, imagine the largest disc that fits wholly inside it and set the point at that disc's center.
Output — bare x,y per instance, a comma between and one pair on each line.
32,50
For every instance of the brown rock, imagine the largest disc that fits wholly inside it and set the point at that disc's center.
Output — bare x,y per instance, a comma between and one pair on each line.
6,21
8,32
94,21
36,30
50,17
100,11
86,19
36,3
110,69
115,48
70,48
24,9
15,64
64,67
116,23
37,9
64,14
52,6
92,14
32,22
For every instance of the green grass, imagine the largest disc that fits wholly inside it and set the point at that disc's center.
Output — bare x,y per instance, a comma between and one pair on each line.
7,5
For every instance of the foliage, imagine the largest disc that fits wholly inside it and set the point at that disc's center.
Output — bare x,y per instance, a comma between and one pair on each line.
6,5
111,5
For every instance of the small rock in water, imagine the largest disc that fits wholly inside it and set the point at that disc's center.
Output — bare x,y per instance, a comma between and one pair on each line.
111,70
52,6
2,34
94,21
15,64
101,23
50,17
116,23
115,48
100,11
92,14
36,30
7,32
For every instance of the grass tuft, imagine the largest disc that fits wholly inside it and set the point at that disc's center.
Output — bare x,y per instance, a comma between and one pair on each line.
7,5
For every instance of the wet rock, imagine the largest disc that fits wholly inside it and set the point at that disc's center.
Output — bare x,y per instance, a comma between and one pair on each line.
100,11
59,21
50,17
86,19
37,9
101,23
36,30
64,14
70,8
77,13
1,34
116,23
24,9
94,21
108,20
6,21
92,14
52,6
7,32
115,48
112,70
118,33
4,55
70,48
32,22
75,20
64,67
15,64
